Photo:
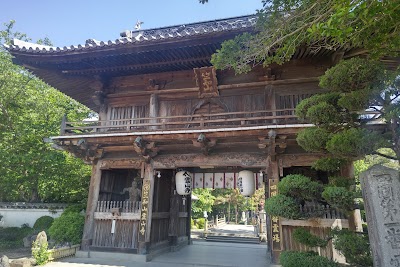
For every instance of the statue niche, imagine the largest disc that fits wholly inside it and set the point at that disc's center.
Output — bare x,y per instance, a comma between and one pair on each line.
134,191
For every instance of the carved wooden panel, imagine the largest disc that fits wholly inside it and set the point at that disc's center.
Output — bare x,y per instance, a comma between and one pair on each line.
206,80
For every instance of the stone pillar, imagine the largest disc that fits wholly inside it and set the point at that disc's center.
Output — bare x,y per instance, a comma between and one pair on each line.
93,197
381,192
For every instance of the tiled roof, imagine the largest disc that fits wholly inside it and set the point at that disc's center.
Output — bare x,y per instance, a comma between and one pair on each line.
141,36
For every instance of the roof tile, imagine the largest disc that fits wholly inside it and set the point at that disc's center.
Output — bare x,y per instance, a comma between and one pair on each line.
178,31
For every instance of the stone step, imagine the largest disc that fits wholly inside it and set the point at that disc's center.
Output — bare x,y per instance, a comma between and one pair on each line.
233,239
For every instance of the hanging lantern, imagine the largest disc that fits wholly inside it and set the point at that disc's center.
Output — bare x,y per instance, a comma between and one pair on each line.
245,183
183,180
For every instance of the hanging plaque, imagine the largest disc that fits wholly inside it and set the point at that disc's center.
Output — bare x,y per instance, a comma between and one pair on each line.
144,211
206,80
276,228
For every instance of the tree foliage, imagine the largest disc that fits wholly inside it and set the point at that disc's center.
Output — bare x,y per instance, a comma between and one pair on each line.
295,190
285,25
30,110
356,85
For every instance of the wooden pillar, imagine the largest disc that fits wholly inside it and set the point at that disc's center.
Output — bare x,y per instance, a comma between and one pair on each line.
146,209
173,230
93,197
275,228
153,110
189,218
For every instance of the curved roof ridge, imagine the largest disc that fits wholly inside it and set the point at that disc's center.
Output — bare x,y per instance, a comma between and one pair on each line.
140,36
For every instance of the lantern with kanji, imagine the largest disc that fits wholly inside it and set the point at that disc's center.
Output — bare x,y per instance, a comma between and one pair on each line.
245,183
183,181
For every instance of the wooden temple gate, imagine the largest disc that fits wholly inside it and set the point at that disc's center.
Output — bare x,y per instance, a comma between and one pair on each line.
161,107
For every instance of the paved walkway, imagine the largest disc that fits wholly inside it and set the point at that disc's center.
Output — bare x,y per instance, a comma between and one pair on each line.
199,254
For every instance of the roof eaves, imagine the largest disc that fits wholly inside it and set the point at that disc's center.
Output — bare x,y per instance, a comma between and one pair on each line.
142,36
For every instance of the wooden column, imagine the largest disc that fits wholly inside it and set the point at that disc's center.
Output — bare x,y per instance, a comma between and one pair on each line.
274,223
93,197
147,209
153,110
173,230
189,218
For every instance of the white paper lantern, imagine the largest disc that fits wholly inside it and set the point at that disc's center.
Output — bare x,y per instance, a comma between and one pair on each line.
245,183
183,180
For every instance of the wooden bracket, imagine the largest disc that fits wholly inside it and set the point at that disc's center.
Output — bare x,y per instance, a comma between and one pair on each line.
273,145
204,144
147,150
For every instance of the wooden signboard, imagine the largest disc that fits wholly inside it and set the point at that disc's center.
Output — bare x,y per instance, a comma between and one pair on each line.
206,80
276,229
144,210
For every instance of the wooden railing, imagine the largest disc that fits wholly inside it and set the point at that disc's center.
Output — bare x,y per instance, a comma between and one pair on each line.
196,121
59,253
125,206
322,211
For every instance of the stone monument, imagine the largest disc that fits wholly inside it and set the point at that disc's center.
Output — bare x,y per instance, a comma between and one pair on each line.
381,193
4,261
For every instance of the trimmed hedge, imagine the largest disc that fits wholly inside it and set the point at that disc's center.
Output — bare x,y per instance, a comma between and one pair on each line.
43,224
68,228
304,259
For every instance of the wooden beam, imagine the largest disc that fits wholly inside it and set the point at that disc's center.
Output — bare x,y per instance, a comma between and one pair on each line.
221,160
250,85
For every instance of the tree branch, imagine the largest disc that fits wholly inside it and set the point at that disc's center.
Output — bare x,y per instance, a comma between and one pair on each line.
384,155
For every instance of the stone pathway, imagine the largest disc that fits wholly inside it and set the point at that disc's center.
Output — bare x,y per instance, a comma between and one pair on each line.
199,254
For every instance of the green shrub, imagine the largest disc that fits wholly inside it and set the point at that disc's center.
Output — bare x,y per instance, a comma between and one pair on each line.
353,142
329,164
339,197
40,252
354,246
300,187
75,208
313,139
323,113
282,206
200,223
68,228
304,237
43,224
304,259
11,237
341,181
303,107
192,224
353,74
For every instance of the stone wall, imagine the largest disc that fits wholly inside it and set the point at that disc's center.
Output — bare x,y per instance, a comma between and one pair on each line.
17,214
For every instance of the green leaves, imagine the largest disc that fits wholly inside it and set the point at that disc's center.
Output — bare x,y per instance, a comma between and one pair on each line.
68,228
30,110
300,187
282,206
304,237
339,197
285,25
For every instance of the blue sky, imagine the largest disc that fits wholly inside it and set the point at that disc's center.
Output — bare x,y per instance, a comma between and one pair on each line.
73,21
